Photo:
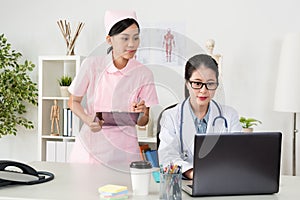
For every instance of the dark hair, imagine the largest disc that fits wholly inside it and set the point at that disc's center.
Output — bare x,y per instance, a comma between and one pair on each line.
119,27
197,61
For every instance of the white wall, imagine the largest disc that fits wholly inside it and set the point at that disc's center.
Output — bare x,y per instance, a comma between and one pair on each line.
247,33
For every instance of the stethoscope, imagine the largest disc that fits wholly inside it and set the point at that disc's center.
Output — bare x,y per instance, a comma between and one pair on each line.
184,153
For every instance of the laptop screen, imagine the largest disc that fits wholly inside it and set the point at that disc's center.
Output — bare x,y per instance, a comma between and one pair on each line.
236,163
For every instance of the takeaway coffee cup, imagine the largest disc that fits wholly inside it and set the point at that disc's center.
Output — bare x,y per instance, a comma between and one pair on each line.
140,177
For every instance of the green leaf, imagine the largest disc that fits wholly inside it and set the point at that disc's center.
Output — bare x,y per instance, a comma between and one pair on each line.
249,122
65,80
16,89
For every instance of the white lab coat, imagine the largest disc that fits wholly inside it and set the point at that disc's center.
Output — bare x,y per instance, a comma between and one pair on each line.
170,146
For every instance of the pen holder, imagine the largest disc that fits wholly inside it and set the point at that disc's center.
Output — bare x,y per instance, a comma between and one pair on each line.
170,186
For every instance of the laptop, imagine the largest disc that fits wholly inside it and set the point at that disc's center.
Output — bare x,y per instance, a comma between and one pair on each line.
235,164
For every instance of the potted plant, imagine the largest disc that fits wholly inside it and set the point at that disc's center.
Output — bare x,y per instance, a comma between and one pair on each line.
64,83
248,123
17,90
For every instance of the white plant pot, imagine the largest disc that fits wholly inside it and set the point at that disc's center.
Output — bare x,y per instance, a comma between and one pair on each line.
247,130
64,91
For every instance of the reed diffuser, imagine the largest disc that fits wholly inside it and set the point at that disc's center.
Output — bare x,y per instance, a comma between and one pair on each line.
70,39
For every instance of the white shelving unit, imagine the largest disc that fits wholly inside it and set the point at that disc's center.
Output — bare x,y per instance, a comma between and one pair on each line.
51,68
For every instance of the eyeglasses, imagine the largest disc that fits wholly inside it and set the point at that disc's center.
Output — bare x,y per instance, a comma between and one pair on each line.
199,85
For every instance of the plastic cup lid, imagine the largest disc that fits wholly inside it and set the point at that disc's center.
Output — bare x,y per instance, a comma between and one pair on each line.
141,165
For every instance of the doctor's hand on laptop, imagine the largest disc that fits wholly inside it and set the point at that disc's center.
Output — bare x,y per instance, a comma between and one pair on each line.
189,173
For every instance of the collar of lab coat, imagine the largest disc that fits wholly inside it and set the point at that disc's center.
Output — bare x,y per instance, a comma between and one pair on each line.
188,131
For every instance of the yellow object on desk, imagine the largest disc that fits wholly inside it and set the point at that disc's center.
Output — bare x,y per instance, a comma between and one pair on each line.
112,188
113,192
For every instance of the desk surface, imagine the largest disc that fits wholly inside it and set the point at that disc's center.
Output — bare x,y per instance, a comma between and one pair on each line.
81,181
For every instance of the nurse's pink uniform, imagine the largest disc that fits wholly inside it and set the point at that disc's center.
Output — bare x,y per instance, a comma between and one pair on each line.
109,89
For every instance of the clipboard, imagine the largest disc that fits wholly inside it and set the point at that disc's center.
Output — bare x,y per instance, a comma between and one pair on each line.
116,118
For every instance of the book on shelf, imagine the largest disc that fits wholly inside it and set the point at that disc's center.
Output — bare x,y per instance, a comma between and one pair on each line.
65,122
143,149
151,156
68,122
148,154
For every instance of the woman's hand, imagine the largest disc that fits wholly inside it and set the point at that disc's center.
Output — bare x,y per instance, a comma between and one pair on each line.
138,106
95,125
74,104
141,107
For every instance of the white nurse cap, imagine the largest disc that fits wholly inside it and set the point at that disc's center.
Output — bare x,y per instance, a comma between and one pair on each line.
113,17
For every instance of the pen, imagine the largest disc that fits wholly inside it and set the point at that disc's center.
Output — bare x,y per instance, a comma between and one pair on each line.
171,169
138,101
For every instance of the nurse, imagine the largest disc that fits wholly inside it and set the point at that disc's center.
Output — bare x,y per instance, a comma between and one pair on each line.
198,114
115,82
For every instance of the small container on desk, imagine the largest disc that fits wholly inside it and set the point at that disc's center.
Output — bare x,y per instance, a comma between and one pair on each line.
170,183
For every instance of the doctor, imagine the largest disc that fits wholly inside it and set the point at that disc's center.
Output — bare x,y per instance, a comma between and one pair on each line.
198,114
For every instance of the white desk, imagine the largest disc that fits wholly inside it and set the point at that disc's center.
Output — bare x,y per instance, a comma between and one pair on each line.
81,181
